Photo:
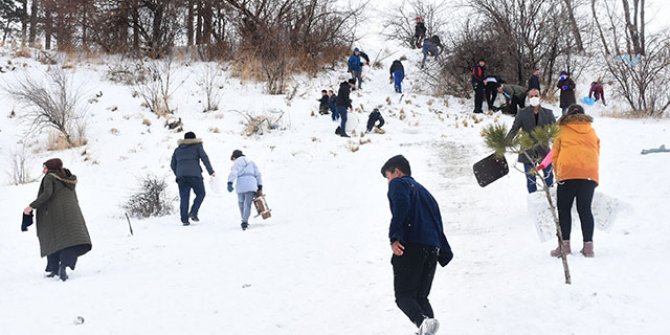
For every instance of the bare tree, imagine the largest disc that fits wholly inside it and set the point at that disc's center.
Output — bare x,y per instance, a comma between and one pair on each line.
210,82
399,22
51,102
157,88
19,173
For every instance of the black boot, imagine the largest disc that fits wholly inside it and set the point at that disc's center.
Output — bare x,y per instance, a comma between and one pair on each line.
62,273
244,225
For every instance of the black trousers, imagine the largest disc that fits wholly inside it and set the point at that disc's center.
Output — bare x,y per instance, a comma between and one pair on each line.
567,192
413,274
516,103
68,257
479,96
491,92
372,120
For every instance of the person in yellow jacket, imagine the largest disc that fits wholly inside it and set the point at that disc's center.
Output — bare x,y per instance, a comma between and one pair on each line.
575,156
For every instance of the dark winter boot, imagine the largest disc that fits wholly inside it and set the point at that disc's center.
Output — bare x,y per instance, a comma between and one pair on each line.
566,249
244,225
587,250
194,217
52,274
62,273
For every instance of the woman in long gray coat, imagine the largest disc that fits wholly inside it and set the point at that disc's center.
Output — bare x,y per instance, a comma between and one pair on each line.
61,228
248,181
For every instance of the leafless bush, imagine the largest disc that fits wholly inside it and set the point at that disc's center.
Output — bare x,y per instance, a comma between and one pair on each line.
210,82
259,124
159,86
20,162
128,73
400,20
643,82
51,102
151,199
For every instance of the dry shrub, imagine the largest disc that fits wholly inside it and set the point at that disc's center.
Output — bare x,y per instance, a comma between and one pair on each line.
151,199
214,130
146,122
23,53
57,141
114,131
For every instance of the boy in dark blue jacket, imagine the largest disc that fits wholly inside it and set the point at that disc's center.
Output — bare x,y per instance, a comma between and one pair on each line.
417,241
332,103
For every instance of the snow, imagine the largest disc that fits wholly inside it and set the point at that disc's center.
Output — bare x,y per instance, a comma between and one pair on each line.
321,264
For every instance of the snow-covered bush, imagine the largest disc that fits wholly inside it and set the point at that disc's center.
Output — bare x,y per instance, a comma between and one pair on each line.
151,199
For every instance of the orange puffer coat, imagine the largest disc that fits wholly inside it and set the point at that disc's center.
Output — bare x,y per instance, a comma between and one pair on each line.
576,149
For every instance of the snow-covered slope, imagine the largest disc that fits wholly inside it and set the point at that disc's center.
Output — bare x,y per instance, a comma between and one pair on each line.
321,265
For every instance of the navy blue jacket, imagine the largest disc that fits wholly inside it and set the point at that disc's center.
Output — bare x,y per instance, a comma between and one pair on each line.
332,102
416,215
186,159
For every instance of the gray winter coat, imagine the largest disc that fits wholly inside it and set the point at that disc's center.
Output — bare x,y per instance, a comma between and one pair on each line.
60,223
514,90
525,120
186,159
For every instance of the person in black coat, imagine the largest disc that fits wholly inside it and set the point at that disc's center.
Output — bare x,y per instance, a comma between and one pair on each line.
375,120
323,103
344,104
417,241
534,80
419,32
567,87
477,78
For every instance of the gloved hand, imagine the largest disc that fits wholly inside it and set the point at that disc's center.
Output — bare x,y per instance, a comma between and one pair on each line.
391,80
565,87
230,187
27,221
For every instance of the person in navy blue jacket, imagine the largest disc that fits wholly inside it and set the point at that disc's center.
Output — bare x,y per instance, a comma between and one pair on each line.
185,164
355,65
417,241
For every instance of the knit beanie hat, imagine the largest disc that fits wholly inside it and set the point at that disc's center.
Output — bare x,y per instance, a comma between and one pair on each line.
575,109
190,134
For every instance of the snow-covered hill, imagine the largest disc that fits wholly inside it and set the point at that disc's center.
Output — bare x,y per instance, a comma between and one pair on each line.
321,265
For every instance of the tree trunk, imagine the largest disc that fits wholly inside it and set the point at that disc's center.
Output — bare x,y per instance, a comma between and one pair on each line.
136,30
207,22
34,8
600,28
573,25
48,29
24,22
643,41
198,26
189,23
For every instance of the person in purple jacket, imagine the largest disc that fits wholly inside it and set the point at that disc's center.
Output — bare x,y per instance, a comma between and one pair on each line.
418,243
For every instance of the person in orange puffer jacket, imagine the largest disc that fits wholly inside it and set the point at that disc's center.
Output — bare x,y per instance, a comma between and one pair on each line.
575,155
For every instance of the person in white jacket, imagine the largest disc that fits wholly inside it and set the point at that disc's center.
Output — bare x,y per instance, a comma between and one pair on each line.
248,181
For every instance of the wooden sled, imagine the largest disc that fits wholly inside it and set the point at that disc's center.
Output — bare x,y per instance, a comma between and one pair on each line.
261,206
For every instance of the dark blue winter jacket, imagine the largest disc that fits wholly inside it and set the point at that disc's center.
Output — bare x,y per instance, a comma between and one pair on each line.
332,102
186,159
416,215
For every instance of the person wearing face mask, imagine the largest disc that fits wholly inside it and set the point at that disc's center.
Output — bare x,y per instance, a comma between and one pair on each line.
527,120
567,87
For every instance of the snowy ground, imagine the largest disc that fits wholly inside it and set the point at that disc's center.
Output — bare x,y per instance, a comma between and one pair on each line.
321,264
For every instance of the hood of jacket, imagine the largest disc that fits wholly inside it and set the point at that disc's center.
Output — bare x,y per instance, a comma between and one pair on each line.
70,180
189,141
580,123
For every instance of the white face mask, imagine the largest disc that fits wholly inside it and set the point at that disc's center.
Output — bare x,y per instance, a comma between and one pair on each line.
534,101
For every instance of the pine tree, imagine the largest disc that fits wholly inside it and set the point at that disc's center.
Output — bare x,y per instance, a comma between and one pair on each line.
496,138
